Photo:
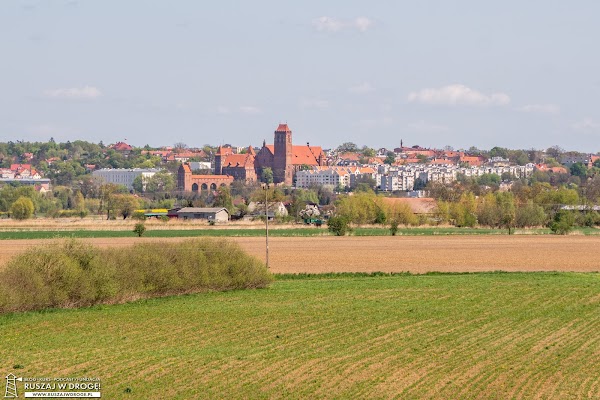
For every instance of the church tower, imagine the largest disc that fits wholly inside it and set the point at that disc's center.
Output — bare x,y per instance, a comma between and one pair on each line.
282,161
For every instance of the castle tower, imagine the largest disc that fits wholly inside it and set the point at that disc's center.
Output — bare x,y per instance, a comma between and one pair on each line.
184,177
282,160
219,161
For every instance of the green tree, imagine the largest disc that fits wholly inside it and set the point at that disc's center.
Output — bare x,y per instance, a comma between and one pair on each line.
578,169
563,222
139,229
338,225
394,227
267,175
529,215
161,182
22,208
126,204
390,158
223,199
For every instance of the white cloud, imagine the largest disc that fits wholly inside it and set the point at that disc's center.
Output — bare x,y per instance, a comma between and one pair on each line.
329,24
363,88
587,125
422,126
85,93
223,110
250,110
457,94
540,108
314,103
362,23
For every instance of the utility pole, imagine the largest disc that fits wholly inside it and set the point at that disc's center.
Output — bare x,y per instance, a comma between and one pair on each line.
266,188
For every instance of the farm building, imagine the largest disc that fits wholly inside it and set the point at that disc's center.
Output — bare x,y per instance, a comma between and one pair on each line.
209,214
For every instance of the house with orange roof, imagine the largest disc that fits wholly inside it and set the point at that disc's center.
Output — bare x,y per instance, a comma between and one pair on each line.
240,166
121,147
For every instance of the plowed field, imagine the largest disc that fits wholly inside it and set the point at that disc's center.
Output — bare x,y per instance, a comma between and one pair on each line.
417,254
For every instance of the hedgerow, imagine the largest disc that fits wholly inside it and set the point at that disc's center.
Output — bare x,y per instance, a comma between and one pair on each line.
74,274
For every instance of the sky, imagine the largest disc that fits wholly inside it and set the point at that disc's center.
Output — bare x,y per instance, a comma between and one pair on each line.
516,74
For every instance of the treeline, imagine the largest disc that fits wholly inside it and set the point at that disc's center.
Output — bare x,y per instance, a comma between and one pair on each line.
539,205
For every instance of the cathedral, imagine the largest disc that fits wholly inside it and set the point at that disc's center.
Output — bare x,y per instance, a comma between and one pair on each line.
282,157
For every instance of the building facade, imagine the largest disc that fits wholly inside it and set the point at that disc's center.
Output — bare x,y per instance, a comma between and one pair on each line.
124,176
282,157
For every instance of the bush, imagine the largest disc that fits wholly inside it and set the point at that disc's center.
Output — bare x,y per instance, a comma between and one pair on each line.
338,225
563,222
74,274
22,208
394,227
139,229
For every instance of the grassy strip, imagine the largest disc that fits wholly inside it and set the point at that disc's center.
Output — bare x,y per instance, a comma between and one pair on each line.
484,335
292,232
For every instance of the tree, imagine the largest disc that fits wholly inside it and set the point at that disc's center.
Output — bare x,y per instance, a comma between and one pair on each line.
394,227
563,222
347,147
22,208
529,215
161,182
578,169
390,158
338,225
126,204
108,193
267,175
139,229
224,199
368,152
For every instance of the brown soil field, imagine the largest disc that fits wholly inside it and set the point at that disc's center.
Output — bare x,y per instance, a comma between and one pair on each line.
416,254
99,223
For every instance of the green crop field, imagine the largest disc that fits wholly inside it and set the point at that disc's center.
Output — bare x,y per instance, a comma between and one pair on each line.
487,336
285,232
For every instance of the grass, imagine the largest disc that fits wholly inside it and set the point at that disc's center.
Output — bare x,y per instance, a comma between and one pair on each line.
288,232
486,335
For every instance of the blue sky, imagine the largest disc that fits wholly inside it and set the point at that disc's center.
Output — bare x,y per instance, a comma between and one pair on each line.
471,73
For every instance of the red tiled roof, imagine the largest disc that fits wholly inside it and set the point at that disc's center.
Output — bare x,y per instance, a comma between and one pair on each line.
121,146
283,128
243,160
18,167
306,155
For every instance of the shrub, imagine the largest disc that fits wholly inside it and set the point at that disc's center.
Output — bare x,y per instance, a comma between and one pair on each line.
338,225
74,274
139,229
394,227
563,222
22,208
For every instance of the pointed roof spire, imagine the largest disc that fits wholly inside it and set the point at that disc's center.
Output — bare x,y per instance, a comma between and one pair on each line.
251,150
